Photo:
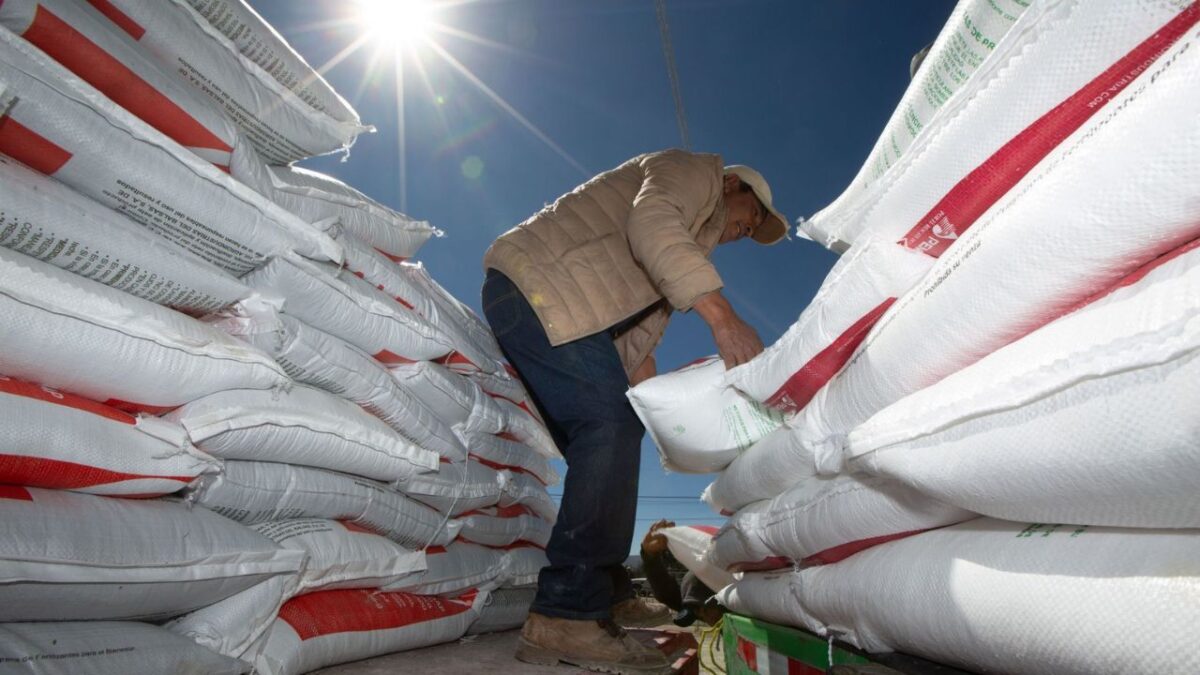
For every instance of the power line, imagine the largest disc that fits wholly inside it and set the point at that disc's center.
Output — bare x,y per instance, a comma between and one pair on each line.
664,29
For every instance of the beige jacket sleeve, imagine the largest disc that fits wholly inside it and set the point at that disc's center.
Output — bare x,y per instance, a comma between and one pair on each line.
674,189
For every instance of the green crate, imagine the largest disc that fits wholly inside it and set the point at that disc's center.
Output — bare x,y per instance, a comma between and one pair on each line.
754,647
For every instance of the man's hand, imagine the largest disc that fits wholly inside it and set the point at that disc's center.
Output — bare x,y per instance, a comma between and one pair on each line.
736,341
647,370
656,542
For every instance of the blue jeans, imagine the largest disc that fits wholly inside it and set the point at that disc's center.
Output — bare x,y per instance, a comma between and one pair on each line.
580,388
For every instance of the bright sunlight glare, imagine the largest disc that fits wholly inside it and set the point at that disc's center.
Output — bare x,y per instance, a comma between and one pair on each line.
395,23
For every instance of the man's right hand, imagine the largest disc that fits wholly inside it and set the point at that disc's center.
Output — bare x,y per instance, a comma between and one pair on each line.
656,542
737,342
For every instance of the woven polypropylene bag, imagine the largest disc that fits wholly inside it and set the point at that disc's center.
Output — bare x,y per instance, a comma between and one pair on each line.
301,425
44,219
1086,420
1076,599
453,569
455,488
341,554
71,556
57,440
244,68
78,335
257,492
63,127
504,526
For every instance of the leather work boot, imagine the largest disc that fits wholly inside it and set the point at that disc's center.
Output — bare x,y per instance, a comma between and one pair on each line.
592,645
640,613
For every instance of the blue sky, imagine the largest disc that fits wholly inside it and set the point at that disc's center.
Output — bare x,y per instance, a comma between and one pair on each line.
798,89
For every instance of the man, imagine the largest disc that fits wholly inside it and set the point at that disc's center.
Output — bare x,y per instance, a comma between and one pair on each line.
578,297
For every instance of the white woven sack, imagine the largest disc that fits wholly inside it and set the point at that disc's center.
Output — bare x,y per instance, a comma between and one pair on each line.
75,334
435,299
316,358
505,526
525,427
503,454
374,227
824,520
257,492
527,490
966,41
789,462
301,425
44,219
1076,599
1087,420
68,556
455,488
506,609
699,423
952,183
506,385
342,555
1119,193
1006,95
63,127
398,281
231,626
107,648
282,125
453,569
330,627
456,400
690,544
57,440
523,564
348,307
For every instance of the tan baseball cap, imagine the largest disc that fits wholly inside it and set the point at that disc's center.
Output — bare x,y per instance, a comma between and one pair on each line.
775,226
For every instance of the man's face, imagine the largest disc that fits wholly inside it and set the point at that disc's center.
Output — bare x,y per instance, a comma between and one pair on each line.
744,213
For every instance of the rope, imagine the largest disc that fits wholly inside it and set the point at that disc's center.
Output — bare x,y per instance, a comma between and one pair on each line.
710,641
660,9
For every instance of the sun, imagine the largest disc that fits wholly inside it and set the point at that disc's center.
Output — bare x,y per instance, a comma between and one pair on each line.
395,23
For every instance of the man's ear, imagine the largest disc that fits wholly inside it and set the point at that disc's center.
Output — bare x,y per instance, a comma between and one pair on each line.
732,183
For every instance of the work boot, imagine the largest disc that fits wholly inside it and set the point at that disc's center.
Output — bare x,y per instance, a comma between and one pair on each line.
640,613
592,645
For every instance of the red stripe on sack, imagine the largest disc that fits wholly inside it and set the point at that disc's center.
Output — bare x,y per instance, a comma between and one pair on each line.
393,258
512,372
391,357
15,492
456,359
26,389
354,611
355,527
520,543
988,182
749,653
820,369
86,59
774,562
57,474
1137,275
795,667
710,530
121,19
24,145
403,302
839,553
435,550
139,407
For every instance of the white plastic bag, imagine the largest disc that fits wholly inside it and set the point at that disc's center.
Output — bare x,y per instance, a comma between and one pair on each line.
57,440
44,219
699,423
68,556
1087,420
257,492
75,334
301,425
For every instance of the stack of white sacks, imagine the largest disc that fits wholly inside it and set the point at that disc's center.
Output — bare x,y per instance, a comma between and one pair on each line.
1010,342
237,430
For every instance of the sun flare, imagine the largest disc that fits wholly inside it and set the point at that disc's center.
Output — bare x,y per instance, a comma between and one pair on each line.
395,23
